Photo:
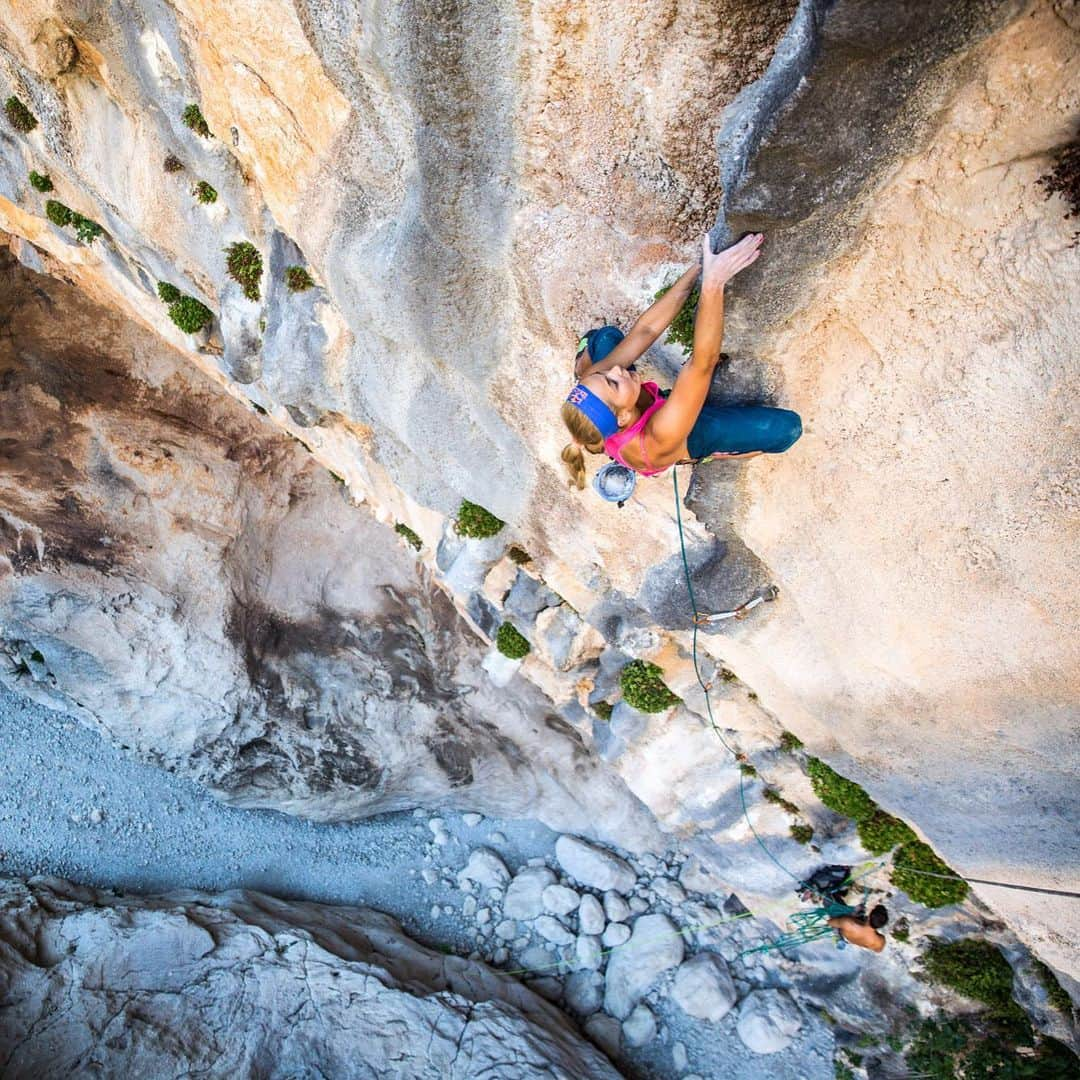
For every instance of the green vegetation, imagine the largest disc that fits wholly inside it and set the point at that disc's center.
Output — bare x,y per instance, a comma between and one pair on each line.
245,267
977,1048
644,689
510,642
881,832
172,163
192,116
901,931
770,794
204,192
19,116
681,330
973,968
37,656
603,710
403,530
747,769
58,213
39,182
915,856
838,793
1058,995
85,229
189,314
803,833
169,294
297,279
475,522
790,742
519,555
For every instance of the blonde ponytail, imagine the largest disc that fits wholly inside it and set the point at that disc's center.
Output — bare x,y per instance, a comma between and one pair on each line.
586,436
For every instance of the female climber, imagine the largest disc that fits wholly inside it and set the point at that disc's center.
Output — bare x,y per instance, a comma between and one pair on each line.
612,411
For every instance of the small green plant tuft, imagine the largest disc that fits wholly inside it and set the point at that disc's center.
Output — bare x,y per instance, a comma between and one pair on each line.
770,794
410,536
746,769
58,213
519,555
511,642
19,116
837,792
172,163
603,710
1058,995
790,742
802,833
245,267
901,930
189,314
681,330
204,193
475,522
297,279
914,859
193,118
39,182
167,293
881,832
644,689
85,229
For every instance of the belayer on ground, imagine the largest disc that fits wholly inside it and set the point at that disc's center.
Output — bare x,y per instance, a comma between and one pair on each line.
610,410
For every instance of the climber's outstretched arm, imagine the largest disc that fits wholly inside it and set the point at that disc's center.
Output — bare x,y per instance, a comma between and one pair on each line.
667,430
649,326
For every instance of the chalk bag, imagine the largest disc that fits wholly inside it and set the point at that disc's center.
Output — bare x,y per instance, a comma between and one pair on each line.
615,482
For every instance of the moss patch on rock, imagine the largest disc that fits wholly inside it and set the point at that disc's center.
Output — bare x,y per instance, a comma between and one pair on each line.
603,710
511,642
881,832
802,833
644,689
190,314
410,536
790,742
476,523
837,792
915,859
19,116
297,279
39,182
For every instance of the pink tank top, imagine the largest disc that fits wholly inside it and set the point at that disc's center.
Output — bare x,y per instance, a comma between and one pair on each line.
613,444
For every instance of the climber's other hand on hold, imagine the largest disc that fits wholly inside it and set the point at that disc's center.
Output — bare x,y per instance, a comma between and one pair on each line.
719,268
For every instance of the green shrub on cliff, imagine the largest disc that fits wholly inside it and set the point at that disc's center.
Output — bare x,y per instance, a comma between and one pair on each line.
837,792
881,832
245,267
19,116
915,859
39,182
193,118
681,330
297,279
169,294
189,314
475,522
58,213
410,535
204,193
644,689
85,229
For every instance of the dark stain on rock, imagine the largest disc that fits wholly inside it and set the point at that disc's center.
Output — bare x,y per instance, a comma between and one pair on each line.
451,754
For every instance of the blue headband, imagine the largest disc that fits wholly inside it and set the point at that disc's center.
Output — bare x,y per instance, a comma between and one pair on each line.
594,409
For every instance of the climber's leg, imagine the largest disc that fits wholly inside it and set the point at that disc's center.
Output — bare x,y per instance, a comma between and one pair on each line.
743,429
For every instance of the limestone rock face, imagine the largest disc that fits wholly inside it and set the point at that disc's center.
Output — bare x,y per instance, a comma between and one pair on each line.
226,983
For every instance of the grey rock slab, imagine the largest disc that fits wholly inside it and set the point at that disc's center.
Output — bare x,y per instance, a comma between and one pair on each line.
768,1021
655,946
560,900
525,894
697,877
668,890
590,915
594,866
703,988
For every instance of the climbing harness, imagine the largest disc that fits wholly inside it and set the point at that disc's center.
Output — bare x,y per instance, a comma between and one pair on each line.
615,482
762,596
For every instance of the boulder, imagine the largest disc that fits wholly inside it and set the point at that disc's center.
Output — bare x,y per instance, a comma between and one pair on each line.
552,930
639,1027
703,988
615,934
590,915
594,866
485,868
587,952
768,1021
560,900
584,992
605,1033
654,947
524,895
615,907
